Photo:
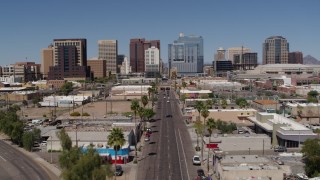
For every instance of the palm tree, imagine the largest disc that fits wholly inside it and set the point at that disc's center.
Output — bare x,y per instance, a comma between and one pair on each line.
224,103
211,125
204,114
134,107
149,113
141,112
209,104
198,128
144,100
150,90
199,107
116,140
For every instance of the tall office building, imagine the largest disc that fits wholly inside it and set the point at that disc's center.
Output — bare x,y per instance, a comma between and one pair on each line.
22,71
108,50
236,50
46,60
186,54
120,59
137,53
152,62
220,55
275,50
295,58
70,60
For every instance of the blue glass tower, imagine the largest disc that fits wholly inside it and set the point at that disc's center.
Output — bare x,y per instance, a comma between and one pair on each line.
186,54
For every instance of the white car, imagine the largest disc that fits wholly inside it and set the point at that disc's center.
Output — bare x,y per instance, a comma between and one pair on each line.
168,101
196,160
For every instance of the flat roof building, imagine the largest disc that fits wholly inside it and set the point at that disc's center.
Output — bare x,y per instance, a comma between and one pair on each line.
283,131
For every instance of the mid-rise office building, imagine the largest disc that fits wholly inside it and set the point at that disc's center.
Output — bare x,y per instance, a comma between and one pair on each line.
137,53
236,50
120,59
125,67
108,50
22,72
275,50
186,55
97,67
246,61
220,55
70,60
295,58
152,62
46,60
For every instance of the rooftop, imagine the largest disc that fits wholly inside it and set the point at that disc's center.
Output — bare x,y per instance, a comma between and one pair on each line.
265,102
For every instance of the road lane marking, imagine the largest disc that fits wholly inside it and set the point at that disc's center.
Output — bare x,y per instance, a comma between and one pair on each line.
184,155
3,159
178,154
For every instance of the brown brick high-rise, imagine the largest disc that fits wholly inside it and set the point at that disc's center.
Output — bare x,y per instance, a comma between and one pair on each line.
137,48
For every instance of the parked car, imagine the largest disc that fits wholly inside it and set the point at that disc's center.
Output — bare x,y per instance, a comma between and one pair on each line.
200,173
196,160
280,149
146,139
280,162
149,130
169,115
118,171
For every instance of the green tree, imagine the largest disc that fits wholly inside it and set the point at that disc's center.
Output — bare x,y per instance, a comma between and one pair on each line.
27,141
199,106
211,125
25,103
242,102
66,88
199,129
17,132
116,140
224,103
184,84
144,100
209,104
65,140
311,153
204,114
134,107
149,113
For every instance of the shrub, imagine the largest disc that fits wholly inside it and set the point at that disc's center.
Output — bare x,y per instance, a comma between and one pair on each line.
75,113
85,114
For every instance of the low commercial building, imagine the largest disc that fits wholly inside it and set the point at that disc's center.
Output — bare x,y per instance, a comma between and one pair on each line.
129,91
64,101
243,167
195,93
266,105
283,131
238,116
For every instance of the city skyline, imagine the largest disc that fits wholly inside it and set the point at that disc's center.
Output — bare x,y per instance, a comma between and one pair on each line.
29,27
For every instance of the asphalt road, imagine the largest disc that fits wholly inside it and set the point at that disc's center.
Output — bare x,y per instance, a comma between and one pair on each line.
168,154
16,165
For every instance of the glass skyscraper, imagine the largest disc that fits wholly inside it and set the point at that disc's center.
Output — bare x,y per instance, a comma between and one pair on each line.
186,54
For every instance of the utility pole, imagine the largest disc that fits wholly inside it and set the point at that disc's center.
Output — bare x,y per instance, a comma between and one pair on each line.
51,150
263,147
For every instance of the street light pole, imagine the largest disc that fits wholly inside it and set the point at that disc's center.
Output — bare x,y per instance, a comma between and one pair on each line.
51,150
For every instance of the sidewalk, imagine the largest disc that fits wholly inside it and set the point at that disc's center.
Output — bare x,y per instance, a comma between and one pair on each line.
52,170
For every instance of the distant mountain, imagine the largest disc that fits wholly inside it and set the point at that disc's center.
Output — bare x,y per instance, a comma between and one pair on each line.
310,60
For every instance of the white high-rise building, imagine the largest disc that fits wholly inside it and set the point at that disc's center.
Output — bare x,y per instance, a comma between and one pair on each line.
125,67
236,50
108,50
152,59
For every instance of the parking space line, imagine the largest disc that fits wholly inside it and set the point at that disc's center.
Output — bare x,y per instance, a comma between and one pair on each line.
3,159
184,155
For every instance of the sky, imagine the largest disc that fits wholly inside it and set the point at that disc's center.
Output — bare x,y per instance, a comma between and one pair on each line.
28,26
